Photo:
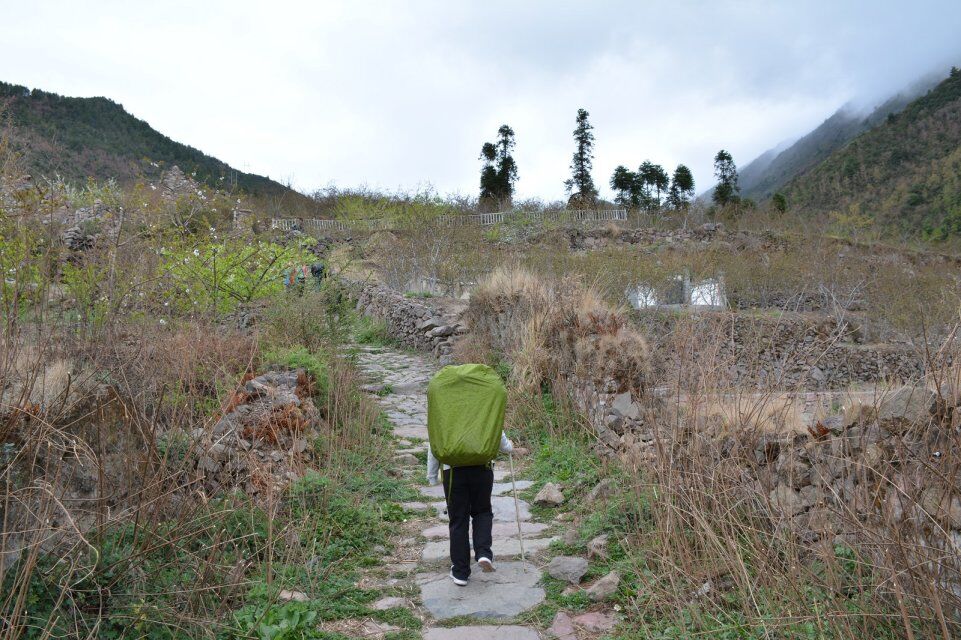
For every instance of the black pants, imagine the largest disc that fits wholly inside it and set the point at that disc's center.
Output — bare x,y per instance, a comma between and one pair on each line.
468,493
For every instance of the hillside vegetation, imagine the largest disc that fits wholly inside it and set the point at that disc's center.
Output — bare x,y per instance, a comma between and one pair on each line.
770,171
904,174
81,138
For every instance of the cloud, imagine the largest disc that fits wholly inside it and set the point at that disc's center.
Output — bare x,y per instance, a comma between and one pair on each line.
403,94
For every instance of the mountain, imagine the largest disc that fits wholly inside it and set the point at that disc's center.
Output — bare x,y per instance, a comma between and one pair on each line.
770,171
903,174
78,138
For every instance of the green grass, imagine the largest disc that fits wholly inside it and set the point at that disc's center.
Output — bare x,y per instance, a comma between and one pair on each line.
372,332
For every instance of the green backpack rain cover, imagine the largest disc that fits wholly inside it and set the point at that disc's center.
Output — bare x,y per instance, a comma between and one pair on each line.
465,414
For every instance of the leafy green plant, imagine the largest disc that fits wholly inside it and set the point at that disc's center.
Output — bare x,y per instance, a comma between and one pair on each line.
84,282
290,621
219,276
373,332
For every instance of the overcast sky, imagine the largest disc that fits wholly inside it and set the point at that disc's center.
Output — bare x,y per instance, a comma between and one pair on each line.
403,94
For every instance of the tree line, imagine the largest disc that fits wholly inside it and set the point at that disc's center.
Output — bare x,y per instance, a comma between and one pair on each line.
649,188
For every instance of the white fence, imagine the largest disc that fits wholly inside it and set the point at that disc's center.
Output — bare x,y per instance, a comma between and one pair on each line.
472,220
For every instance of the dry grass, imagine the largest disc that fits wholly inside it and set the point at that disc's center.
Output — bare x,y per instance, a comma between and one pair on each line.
551,330
720,553
109,524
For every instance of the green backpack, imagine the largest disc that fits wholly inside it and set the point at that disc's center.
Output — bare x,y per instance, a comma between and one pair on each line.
465,414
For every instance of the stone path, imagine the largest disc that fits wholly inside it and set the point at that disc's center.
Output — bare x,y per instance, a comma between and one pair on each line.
399,381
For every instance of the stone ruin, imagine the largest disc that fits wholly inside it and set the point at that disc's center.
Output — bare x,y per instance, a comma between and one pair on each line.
412,323
262,439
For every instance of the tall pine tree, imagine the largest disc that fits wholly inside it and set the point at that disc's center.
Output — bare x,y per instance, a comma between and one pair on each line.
624,182
682,188
499,171
506,167
727,190
581,184
488,179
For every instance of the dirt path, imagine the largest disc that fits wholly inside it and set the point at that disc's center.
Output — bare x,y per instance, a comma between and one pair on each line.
421,561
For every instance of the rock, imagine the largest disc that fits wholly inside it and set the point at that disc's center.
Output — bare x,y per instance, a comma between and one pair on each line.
499,529
505,488
562,628
292,596
391,602
429,324
602,490
942,506
218,451
605,587
607,436
597,547
439,550
595,621
483,632
567,568
373,629
704,589
209,465
615,423
906,407
501,594
440,332
406,459
790,501
571,537
625,407
550,495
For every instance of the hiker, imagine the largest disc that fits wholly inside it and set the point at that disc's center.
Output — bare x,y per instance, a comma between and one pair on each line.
296,278
465,418
468,496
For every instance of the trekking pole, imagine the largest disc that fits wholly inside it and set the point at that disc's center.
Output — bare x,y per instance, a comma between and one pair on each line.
517,511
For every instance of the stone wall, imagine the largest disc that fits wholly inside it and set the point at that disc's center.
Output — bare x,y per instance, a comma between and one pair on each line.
412,322
785,350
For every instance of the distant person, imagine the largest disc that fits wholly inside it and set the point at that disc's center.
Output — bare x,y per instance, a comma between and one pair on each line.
296,278
465,425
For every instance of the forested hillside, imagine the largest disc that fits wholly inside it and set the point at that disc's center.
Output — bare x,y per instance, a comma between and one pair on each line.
904,174
80,138
770,171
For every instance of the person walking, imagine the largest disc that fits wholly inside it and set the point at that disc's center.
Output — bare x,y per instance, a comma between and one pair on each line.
466,405
467,491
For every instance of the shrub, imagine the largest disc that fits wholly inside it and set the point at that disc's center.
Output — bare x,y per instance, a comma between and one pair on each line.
219,276
550,329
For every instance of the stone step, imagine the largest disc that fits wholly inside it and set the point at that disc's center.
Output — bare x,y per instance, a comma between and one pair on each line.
412,449
499,529
503,507
500,488
411,432
415,506
482,632
439,550
505,593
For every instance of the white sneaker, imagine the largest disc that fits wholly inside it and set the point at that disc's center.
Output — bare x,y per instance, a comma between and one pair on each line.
486,565
456,580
